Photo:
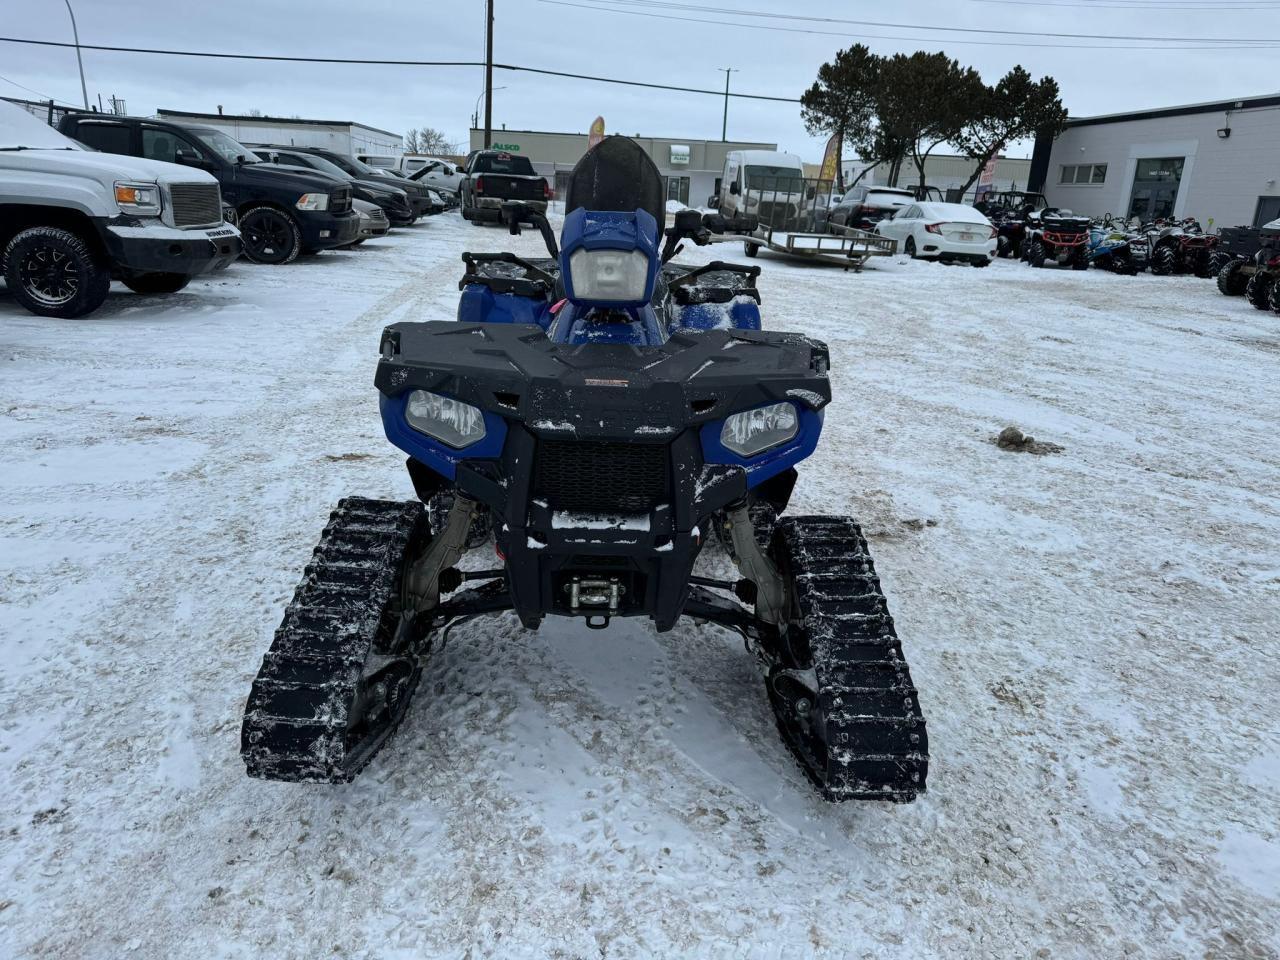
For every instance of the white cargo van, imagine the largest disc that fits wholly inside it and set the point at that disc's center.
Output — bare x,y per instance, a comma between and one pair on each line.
763,183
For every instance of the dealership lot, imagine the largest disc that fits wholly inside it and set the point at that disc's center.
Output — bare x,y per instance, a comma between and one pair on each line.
1092,631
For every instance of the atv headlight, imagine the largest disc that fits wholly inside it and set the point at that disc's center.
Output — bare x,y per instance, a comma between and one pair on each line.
609,276
313,201
450,421
139,198
754,431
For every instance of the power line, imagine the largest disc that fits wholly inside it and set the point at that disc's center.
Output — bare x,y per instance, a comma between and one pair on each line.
733,11
773,28
515,68
28,89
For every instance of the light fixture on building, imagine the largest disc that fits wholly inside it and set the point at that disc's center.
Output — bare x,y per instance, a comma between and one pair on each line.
1224,132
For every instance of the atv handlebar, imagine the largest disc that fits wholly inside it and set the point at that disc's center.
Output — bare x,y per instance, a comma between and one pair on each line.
515,213
698,227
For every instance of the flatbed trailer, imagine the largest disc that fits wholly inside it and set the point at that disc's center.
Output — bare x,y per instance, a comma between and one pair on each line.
843,246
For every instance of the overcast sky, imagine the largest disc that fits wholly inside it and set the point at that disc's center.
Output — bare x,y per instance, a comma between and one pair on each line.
773,56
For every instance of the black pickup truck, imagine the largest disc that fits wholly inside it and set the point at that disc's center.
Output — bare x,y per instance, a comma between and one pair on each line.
281,211
492,177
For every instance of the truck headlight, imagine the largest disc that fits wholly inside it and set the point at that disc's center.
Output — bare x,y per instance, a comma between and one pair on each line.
313,201
609,276
139,198
450,421
754,431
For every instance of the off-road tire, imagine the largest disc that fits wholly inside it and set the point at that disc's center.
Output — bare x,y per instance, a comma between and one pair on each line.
1202,265
1164,262
1275,297
1231,283
750,249
1036,254
75,282
1217,260
153,283
1004,247
1080,260
270,236
1024,250
1258,292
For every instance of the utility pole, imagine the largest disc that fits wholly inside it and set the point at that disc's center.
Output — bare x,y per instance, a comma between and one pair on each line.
488,75
724,126
75,33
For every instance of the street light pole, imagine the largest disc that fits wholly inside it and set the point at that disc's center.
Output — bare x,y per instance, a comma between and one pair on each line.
75,33
488,75
724,126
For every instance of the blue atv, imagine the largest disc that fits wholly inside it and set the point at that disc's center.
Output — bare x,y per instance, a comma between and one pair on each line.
600,415
1117,250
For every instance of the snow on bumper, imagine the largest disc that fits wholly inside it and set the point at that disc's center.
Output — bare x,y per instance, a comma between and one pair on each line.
155,248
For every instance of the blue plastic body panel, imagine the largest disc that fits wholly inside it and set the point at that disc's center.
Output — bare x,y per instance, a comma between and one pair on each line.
479,304
573,325
771,462
742,313
440,457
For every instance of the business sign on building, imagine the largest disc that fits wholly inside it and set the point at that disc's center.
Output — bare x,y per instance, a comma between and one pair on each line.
679,155
988,177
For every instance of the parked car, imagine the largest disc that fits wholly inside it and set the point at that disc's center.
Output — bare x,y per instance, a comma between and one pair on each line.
393,201
373,222
417,194
942,231
494,177
438,174
282,211
71,220
862,207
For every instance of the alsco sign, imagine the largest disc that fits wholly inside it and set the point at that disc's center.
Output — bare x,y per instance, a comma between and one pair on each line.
510,147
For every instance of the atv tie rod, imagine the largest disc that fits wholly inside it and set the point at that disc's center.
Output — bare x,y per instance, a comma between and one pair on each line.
744,590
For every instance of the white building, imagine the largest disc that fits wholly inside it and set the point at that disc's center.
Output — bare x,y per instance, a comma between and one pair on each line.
944,171
1218,162
340,136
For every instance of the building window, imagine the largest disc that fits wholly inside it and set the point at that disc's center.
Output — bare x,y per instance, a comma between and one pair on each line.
1084,173
678,189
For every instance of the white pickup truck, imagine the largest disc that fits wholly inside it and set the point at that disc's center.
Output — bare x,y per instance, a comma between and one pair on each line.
71,220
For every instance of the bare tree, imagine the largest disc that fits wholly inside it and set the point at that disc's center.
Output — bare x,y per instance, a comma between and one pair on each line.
431,140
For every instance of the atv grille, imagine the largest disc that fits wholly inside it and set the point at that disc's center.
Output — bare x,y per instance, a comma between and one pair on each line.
600,477
196,204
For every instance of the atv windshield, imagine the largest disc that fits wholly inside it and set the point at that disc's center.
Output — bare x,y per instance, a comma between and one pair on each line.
618,175
502,163
768,177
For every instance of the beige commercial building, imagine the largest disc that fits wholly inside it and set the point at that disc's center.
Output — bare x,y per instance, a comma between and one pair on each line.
690,167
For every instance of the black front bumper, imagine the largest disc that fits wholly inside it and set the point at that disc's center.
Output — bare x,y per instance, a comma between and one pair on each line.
601,481
322,230
187,252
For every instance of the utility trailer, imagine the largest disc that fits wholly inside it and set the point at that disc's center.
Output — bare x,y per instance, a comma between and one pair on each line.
794,217
843,246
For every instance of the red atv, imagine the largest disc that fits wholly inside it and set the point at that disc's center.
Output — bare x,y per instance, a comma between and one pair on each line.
1059,237
1180,246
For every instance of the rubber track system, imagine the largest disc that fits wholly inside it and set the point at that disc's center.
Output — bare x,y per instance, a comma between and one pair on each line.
330,691
865,737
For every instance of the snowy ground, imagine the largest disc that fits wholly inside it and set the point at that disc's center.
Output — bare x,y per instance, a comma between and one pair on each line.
1093,632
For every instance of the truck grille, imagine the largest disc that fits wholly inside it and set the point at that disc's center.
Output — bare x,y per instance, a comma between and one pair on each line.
601,477
195,204
340,200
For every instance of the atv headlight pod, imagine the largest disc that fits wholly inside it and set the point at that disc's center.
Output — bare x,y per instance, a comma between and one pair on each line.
139,198
609,276
450,421
313,201
755,431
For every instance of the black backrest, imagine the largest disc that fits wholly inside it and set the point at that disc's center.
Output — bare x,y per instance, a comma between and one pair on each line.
616,174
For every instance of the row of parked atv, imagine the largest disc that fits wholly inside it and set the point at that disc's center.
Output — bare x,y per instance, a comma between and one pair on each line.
1251,265
1040,235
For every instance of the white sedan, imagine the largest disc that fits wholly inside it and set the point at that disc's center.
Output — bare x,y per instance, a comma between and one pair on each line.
942,231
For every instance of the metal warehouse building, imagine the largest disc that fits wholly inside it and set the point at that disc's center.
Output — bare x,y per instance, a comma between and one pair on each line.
1218,162
691,168
340,136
